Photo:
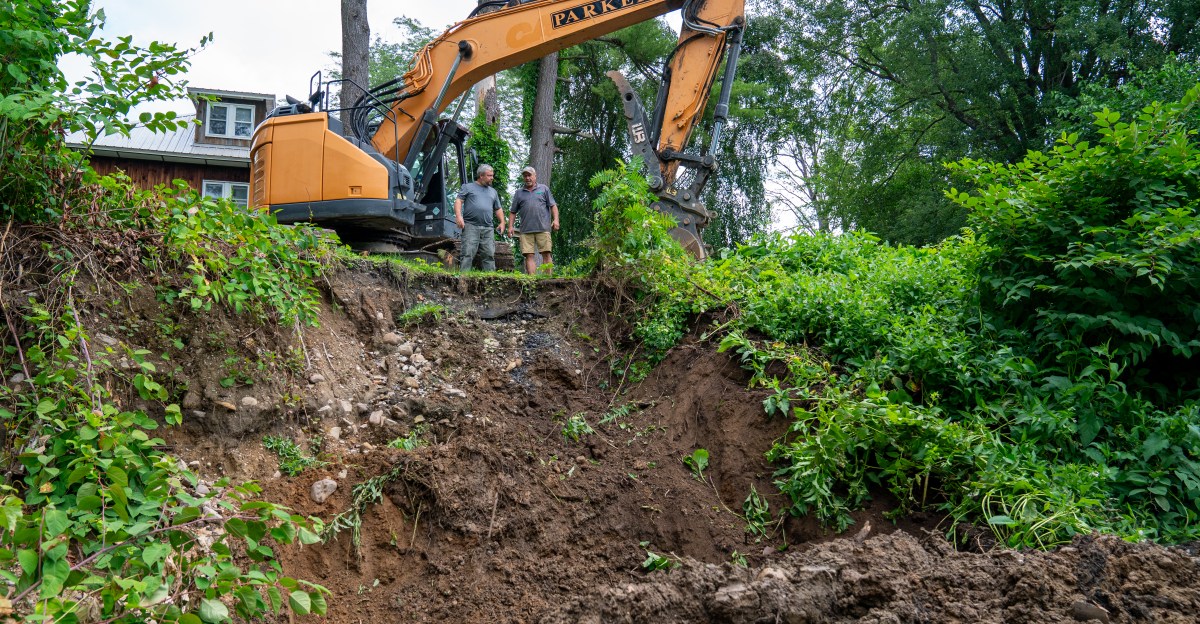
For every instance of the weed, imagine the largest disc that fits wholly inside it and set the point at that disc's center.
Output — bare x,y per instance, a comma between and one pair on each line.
696,462
363,494
576,427
421,313
292,460
738,559
757,513
410,442
655,562
618,412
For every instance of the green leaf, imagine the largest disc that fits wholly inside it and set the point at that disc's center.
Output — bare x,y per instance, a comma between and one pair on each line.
300,602
213,611
88,503
153,553
189,618
29,560
54,576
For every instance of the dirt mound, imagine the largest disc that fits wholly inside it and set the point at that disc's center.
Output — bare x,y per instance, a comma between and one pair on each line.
535,484
898,578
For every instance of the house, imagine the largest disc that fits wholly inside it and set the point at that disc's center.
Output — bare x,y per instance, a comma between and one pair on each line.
212,156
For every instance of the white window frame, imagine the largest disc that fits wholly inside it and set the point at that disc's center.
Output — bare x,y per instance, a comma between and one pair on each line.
230,120
226,190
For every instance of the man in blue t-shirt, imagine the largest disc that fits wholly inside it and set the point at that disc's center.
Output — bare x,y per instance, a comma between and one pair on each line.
539,214
477,202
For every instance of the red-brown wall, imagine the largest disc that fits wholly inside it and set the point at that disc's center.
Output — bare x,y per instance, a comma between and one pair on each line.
148,173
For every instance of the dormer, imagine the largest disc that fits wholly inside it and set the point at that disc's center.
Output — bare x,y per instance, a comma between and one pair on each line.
230,119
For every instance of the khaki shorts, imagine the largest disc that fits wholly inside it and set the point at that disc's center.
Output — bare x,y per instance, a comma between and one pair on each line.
534,242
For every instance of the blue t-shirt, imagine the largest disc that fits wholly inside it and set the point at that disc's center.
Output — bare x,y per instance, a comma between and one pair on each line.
479,202
533,206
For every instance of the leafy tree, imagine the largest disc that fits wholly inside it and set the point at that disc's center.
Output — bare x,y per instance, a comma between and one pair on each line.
38,106
389,60
1166,83
943,80
491,149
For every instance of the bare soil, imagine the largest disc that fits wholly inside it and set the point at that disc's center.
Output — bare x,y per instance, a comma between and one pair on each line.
501,517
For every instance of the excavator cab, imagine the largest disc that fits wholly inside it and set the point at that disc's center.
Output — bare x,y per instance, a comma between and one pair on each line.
371,200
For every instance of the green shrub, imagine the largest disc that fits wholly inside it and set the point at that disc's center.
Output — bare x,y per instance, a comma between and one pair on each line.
100,524
1095,249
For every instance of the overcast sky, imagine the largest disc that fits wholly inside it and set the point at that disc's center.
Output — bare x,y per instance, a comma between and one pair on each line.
262,46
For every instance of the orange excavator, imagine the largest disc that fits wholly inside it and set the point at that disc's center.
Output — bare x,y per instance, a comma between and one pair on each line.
382,171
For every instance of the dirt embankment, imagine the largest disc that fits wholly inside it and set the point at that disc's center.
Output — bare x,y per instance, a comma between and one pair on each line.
498,515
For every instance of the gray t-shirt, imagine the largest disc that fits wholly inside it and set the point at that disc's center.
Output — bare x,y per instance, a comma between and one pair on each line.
533,206
479,202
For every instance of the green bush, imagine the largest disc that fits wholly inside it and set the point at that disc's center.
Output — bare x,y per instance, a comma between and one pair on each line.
1095,249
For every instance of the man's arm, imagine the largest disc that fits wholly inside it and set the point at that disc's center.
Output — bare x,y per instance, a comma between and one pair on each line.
499,212
554,216
458,213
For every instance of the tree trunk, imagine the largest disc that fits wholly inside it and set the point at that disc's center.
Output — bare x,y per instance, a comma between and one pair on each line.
541,139
356,41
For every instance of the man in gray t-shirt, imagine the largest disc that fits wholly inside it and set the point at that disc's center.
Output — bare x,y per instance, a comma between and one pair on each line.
535,205
477,202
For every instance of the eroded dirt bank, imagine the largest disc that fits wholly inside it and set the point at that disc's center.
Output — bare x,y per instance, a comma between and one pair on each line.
499,516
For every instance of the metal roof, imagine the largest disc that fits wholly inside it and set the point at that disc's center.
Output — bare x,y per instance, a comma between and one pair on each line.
177,146
244,95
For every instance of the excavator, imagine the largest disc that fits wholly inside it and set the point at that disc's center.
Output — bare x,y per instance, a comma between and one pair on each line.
382,172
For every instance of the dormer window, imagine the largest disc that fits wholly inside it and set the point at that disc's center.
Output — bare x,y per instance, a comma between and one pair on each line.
231,121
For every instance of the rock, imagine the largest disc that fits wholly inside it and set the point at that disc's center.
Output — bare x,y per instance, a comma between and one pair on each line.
210,511
199,414
405,350
323,489
418,359
376,417
454,392
16,379
363,408
316,378
580,459
191,400
201,489
342,473
412,382
276,475
227,405
418,420
249,402
392,338
335,433
379,316
347,407
107,340
1085,611
325,409
772,573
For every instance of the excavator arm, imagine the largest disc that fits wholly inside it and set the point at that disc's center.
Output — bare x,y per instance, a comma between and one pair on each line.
397,120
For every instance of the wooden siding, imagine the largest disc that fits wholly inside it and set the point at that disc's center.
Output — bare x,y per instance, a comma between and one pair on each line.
148,173
260,112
